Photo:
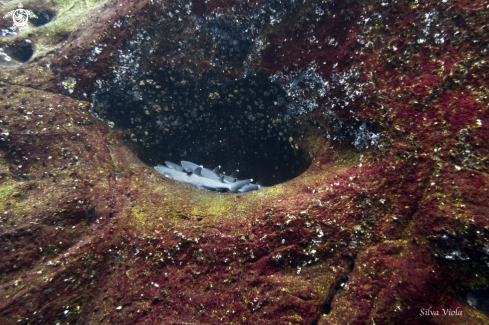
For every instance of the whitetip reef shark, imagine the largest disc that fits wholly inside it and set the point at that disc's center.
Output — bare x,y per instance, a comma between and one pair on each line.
206,179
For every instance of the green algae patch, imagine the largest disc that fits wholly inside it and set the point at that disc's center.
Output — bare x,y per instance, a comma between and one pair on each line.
11,198
269,191
141,217
213,205
7,191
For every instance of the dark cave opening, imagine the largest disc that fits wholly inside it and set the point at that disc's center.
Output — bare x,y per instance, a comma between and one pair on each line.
43,17
19,52
239,124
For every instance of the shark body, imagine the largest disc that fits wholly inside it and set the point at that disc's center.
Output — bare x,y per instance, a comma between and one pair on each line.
206,179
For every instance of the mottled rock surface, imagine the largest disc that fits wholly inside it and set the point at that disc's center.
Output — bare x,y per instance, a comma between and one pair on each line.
385,100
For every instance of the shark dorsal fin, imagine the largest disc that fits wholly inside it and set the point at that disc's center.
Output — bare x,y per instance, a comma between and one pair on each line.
197,171
207,173
188,166
235,174
174,166
216,170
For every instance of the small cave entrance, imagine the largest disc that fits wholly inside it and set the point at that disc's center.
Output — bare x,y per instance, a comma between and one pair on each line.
43,16
15,53
478,299
239,124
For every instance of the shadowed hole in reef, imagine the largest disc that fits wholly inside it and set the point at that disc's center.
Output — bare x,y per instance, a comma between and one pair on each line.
43,17
12,54
238,124
478,299
339,286
325,308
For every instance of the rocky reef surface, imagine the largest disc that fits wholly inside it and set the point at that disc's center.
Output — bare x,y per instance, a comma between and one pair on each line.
369,119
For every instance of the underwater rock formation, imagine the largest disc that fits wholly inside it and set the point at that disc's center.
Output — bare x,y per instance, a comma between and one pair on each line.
375,112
